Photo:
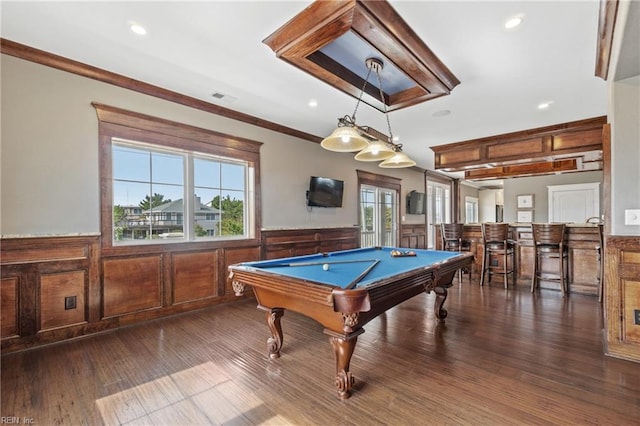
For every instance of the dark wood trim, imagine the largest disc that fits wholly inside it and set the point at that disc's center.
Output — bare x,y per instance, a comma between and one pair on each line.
531,169
31,54
117,122
606,176
581,138
433,176
299,41
606,25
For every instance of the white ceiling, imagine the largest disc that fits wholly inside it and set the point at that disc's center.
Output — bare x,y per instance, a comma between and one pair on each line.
198,48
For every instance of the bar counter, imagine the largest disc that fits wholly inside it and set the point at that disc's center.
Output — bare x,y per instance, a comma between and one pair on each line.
581,239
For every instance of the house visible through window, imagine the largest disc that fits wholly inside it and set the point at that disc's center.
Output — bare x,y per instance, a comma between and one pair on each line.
151,184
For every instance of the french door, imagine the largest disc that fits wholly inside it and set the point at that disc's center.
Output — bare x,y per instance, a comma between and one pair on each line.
438,208
378,216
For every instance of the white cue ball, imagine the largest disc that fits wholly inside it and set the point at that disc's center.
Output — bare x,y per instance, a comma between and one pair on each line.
325,266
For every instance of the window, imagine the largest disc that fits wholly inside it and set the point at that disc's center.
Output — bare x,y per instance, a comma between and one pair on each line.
153,179
166,182
471,209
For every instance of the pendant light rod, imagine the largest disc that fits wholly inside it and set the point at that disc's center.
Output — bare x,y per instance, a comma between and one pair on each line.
350,137
364,86
377,65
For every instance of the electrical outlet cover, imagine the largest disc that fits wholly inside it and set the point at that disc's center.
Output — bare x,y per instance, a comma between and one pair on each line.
632,217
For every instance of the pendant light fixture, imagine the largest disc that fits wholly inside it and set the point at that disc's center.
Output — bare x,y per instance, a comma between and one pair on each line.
346,137
350,137
397,161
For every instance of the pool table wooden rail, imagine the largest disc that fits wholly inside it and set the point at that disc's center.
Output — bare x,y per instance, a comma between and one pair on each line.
343,313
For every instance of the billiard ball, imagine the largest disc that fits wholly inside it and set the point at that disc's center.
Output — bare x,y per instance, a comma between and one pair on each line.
325,266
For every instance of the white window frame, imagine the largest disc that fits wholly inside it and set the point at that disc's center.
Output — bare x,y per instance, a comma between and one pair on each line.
189,194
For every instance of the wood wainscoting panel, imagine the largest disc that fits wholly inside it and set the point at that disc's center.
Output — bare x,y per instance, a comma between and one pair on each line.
413,236
237,255
9,307
622,296
630,276
194,276
297,242
131,285
54,291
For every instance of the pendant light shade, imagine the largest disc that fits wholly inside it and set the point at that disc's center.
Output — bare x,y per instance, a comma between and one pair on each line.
350,137
375,151
398,161
344,139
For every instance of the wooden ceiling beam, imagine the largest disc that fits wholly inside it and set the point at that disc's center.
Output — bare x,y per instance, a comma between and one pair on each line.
566,140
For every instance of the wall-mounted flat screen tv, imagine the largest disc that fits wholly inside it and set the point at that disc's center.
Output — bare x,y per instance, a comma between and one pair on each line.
415,202
324,192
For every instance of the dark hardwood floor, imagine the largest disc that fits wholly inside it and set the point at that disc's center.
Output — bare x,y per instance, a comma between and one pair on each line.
502,357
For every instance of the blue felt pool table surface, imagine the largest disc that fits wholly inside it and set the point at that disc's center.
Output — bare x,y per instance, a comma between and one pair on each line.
342,274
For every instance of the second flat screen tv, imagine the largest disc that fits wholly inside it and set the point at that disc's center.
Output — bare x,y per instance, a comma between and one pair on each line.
324,192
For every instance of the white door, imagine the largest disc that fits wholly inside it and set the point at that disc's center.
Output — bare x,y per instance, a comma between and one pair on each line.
574,203
378,218
438,208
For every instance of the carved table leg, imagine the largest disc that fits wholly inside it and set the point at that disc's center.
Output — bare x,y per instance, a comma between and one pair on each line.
274,343
441,296
343,349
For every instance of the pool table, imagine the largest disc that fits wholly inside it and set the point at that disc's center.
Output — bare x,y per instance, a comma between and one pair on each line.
344,290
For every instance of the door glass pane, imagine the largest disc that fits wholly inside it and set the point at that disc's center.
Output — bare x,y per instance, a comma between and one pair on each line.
438,208
377,216
367,209
388,218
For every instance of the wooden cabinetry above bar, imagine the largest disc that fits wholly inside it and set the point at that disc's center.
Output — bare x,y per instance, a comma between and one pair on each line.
573,146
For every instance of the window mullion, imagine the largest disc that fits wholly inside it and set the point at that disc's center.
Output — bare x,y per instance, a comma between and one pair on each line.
189,197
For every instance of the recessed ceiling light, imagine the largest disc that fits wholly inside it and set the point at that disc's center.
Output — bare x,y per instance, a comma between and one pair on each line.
137,28
312,103
513,22
544,105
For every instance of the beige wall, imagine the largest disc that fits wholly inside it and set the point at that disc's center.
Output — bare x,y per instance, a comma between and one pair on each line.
624,116
49,156
537,186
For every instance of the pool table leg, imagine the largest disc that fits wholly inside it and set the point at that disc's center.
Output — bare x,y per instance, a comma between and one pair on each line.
274,343
343,349
441,296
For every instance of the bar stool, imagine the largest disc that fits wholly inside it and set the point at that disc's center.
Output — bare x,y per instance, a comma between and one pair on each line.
496,243
548,243
451,234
